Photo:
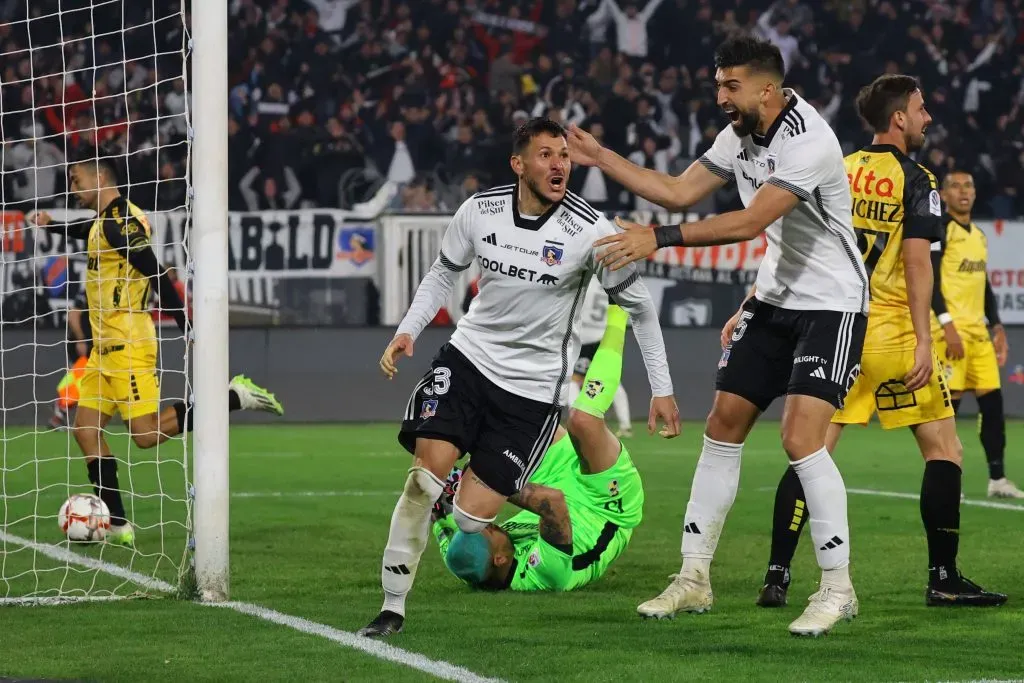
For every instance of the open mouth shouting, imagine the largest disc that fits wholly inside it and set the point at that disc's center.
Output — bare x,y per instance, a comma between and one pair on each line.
556,183
732,112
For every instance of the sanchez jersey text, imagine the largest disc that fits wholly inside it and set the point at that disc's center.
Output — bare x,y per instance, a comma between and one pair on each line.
894,198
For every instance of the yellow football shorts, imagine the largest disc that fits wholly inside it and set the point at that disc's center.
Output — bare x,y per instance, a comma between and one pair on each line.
117,380
880,387
978,370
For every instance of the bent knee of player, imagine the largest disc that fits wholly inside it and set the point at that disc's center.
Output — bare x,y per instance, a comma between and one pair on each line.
422,486
799,443
469,523
584,426
939,441
145,431
89,438
730,423
435,456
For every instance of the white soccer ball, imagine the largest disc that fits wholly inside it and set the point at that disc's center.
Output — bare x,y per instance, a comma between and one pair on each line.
84,518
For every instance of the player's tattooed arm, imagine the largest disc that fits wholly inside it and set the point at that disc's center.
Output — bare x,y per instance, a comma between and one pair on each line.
549,504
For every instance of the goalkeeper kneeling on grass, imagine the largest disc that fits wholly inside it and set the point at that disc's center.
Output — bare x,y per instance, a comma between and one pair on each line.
579,508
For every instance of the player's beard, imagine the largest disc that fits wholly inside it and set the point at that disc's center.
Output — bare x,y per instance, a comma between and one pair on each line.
533,187
747,123
916,141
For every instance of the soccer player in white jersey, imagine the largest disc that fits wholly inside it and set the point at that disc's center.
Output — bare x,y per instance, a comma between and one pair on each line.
592,326
495,390
798,334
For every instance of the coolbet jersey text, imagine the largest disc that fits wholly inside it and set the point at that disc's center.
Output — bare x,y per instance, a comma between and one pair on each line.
894,198
964,278
811,261
118,295
522,329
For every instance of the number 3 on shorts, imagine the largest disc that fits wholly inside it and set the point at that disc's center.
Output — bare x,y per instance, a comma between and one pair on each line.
442,381
741,326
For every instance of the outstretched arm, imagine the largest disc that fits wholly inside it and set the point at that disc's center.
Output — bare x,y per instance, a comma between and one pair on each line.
456,255
548,504
78,230
675,193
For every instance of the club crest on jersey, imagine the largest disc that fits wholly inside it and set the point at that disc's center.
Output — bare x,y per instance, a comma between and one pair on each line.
552,252
534,559
771,163
594,387
613,488
428,409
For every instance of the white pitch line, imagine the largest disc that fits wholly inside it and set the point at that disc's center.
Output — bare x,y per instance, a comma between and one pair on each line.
413,660
65,555
310,494
914,496
378,649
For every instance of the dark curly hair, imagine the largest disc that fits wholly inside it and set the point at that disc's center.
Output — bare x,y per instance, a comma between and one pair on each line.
531,129
886,95
743,49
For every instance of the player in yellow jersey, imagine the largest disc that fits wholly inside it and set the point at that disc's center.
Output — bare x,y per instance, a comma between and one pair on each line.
896,214
964,307
121,373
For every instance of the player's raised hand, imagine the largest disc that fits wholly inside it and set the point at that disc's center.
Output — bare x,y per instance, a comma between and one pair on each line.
954,344
402,343
40,218
919,375
664,408
635,242
728,328
584,149
1001,345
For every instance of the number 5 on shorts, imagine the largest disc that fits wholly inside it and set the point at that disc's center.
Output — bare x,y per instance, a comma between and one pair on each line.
741,326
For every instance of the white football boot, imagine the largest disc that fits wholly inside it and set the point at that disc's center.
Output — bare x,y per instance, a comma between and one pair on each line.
826,608
1003,488
689,593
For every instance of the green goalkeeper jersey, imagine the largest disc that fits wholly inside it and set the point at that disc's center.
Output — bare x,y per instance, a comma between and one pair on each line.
604,509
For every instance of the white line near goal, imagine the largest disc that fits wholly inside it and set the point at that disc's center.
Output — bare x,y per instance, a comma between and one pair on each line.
913,496
440,669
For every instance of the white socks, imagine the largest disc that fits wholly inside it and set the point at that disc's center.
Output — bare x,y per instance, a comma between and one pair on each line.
620,404
711,496
825,493
410,529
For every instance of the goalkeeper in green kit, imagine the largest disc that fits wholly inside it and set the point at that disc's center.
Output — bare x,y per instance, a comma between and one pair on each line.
579,508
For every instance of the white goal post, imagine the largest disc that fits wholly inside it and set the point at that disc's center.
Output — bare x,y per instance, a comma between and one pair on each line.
210,319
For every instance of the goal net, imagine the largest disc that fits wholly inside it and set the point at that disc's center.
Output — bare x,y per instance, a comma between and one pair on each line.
93,81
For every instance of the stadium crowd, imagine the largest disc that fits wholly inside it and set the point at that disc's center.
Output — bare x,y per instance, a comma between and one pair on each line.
331,98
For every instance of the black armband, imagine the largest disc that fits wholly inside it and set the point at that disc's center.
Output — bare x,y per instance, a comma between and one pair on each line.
991,306
669,236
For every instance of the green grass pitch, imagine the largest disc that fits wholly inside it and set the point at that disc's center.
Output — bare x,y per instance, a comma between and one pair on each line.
310,511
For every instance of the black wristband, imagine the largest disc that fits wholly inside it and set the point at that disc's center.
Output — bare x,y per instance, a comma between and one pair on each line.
669,236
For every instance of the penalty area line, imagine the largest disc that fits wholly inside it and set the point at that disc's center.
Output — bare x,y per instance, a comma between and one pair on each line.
374,648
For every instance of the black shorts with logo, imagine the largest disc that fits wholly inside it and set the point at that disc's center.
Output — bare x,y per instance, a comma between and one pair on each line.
506,435
776,351
587,352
